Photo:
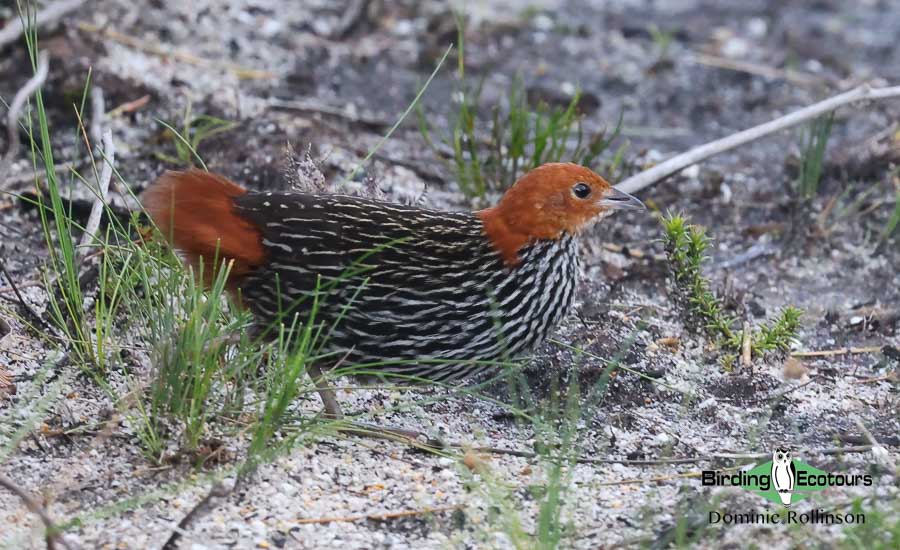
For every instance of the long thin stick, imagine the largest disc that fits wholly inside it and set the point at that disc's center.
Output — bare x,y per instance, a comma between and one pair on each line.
51,530
15,109
679,162
382,516
206,505
839,351
13,30
180,55
663,461
93,223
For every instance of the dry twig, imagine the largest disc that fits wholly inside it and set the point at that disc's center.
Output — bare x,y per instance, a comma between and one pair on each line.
205,506
15,110
714,457
889,377
679,162
129,106
789,75
838,351
746,347
52,531
379,517
49,15
185,57
93,223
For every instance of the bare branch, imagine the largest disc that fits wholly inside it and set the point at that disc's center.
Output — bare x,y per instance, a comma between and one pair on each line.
15,110
109,154
379,516
663,461
679,162
98,113
29,312
790,75
49,15
51,530
205,506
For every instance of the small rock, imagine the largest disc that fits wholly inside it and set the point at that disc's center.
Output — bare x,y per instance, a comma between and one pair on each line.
794,369
474,462
757,27
613,272
691,172
735,48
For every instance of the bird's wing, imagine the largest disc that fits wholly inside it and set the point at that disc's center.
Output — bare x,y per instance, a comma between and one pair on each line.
389,259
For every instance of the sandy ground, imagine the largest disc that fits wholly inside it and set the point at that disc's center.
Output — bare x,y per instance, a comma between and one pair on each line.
347,84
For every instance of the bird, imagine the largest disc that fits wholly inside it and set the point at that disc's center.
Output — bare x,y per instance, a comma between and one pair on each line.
420,294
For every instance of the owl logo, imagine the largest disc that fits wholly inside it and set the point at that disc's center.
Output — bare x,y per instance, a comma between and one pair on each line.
783,475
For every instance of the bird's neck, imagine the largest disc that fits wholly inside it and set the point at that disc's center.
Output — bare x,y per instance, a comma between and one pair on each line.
510,234
506,240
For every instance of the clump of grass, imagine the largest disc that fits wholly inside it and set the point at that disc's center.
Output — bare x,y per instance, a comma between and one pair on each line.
186,326
489,147
686,247
195,129
69,310
894,220
558,426
812,158
880,531
203,381
662,40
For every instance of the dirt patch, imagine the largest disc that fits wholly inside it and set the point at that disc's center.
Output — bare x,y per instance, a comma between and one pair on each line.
348,85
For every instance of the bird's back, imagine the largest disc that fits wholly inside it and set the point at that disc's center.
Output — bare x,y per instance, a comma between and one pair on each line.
422,291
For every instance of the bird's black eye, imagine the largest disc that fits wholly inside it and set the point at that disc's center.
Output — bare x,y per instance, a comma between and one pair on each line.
581,190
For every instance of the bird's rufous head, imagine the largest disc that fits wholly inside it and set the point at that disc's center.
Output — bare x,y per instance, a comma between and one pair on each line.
548,202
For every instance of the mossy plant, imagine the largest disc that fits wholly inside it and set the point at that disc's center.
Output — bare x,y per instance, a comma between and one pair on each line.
777,335
686,247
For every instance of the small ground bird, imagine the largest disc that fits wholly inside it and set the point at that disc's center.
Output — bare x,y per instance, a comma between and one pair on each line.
421,293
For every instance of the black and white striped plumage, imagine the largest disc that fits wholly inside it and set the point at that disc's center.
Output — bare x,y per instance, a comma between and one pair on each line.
405,284
421,292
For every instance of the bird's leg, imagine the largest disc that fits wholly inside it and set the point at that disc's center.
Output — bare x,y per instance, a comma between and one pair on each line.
332,407
333,412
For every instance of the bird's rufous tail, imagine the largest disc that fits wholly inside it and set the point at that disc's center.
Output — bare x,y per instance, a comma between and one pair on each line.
195,211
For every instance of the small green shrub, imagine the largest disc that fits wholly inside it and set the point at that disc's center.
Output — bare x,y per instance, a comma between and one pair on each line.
195,130
686,247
